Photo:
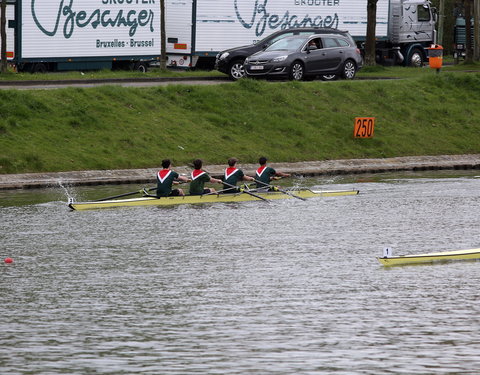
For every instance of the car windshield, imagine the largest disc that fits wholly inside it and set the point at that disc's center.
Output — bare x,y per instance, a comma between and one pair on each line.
286,44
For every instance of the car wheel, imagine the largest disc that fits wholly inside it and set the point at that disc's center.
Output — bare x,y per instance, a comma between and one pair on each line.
235,70
349,69
297,71
328,77
416,58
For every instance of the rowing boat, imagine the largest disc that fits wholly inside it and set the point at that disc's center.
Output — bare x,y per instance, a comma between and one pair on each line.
445,256
208,198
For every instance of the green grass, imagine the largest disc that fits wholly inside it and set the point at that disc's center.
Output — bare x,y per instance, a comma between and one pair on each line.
112,127
407,72
366,72
106,74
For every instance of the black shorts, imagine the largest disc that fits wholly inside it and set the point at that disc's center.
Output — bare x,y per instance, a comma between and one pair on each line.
205,191
229,190
174,193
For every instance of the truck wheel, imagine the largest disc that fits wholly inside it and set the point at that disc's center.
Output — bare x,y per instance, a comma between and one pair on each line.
235,69
140,67
24,67
349,69
416,58
39,68
297,71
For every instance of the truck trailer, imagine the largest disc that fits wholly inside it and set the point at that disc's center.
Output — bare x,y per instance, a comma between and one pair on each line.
10,16
55,35
198,30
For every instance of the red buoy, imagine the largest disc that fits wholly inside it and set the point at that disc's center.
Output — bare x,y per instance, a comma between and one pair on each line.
8,260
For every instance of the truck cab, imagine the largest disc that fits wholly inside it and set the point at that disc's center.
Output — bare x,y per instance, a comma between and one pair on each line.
411,30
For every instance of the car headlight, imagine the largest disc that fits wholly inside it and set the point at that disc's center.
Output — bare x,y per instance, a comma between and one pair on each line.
280,58
247,60
224,55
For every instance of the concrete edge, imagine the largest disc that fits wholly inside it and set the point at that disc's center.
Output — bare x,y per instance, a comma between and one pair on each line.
109,80
308,168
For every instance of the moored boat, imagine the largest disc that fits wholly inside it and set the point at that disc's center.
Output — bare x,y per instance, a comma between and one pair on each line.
445,256
208,198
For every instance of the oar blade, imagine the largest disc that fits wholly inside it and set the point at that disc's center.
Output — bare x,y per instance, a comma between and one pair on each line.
280,190
141,191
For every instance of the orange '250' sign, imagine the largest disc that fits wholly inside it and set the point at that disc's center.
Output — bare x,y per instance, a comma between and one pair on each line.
363,127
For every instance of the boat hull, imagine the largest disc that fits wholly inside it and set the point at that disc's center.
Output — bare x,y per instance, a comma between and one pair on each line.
446,256
199,199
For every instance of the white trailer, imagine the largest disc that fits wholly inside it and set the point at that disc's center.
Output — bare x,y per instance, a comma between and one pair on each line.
198,29
85,34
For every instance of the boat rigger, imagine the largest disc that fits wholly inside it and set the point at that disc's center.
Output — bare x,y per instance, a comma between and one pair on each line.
208,198
445,256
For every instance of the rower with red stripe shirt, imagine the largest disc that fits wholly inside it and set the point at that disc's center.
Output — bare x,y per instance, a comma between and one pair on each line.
265,174
199,177
233,175
165,178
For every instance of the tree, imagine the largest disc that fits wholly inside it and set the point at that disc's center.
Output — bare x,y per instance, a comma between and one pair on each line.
468,31
163,37
441,21
446,22
371,27
3,36
476,30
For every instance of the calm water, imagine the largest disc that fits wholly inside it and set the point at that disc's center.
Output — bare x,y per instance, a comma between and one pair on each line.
290,287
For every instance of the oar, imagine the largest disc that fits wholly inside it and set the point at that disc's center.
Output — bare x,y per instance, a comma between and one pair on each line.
125,194
217,192
280,190
235,187
246,192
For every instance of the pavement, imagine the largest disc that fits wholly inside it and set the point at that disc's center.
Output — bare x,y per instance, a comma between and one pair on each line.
308,168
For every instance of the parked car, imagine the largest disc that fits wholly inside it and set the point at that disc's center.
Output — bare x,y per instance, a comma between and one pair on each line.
305,57
231,60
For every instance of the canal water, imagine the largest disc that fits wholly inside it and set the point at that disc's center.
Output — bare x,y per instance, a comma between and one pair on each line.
287,287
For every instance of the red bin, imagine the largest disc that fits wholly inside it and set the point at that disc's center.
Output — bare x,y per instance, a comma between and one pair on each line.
435,56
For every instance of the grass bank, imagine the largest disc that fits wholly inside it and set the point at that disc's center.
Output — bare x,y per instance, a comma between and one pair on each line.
11,75
366,72
113,127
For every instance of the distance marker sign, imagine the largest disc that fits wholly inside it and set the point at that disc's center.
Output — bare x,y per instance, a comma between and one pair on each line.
363,127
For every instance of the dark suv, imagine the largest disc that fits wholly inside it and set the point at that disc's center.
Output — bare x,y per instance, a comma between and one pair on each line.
231,60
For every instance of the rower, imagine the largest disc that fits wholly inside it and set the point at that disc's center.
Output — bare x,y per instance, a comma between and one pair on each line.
165,178
232,176
199,177
265,174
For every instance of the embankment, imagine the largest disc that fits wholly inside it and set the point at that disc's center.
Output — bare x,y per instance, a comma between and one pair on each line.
112,128
330,167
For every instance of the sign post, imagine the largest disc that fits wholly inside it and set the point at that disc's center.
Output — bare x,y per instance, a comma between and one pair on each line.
363,127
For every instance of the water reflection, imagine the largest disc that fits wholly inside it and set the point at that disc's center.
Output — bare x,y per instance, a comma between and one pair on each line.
290,287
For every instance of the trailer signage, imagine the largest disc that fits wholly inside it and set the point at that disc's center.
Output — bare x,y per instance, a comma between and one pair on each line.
53,28
244,22
264,18
363,127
